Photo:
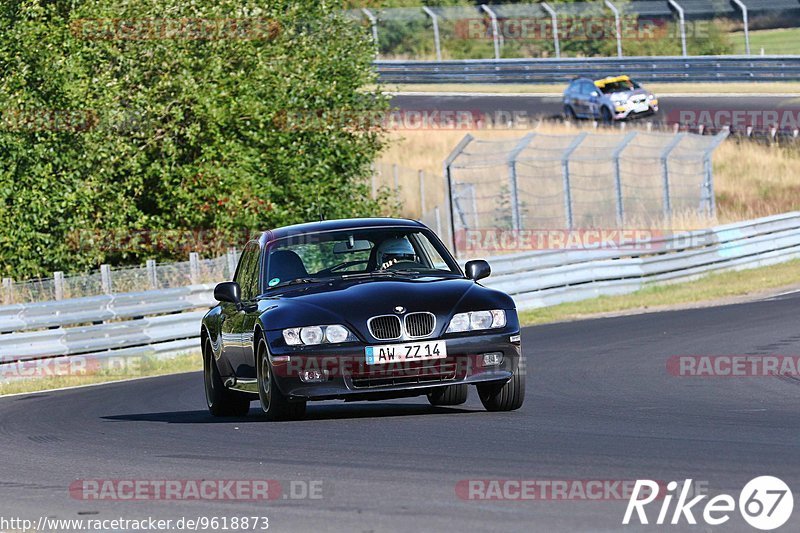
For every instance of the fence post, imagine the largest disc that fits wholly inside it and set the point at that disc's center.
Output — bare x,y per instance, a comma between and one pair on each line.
554,19
373,179
746,25
708,185
374,23
231,261
495,31
617,178
516,216
565,174
8,290
437,215
435,20
194,267
665,172
105,279
58,282
421,193
617,26
152,278
682,20
449,184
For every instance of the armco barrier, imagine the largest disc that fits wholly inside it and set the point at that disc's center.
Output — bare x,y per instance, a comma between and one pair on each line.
167,321
654,69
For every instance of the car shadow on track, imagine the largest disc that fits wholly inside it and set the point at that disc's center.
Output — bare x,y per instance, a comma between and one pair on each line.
315,412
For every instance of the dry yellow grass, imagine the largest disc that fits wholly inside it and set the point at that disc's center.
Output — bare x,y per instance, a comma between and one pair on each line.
751,179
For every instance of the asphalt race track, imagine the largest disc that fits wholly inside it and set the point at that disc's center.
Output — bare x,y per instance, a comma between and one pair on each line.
550,106
600,405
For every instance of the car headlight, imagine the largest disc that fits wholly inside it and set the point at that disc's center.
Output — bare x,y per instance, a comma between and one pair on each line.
312,335
477,320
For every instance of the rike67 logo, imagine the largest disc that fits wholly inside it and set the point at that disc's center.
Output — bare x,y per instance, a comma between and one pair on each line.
765,502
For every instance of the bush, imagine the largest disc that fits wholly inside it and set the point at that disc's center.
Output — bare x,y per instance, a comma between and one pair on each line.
165,114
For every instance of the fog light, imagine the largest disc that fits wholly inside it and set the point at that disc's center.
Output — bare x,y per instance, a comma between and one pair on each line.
492,359
313,376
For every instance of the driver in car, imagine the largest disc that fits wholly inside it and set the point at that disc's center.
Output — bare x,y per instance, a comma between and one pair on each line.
393,251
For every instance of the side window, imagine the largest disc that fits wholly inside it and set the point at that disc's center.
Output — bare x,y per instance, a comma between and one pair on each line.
247,272
238,277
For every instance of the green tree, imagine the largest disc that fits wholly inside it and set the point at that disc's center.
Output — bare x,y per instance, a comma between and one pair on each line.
158,115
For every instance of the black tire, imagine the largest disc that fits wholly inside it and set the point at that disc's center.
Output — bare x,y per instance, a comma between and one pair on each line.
451,395
274,404
605,115
569,113
221,401
507,396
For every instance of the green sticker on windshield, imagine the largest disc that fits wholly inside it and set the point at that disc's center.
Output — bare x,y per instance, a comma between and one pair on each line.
274,281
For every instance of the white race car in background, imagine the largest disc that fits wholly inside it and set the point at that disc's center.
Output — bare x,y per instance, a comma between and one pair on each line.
608,99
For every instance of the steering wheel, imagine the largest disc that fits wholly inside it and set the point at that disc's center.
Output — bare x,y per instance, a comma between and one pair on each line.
345,264
404,265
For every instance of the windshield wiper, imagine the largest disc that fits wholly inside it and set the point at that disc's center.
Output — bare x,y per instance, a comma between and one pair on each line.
298,281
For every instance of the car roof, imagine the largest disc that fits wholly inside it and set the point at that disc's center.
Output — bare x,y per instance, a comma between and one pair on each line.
338,224
611,79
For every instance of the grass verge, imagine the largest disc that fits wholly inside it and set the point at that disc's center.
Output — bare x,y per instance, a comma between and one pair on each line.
776,41
718,288
40,377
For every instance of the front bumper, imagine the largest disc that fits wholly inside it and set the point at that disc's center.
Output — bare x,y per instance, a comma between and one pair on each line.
630,110
350,378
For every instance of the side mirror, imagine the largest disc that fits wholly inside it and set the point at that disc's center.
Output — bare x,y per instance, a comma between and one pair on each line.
595,93
477,269
228,291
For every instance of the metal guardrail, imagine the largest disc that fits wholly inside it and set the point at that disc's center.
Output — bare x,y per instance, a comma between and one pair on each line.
654,69
167,321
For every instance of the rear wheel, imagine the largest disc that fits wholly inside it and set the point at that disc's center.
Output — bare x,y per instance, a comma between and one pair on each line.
450,395
273,402
507,396
221,400
605,115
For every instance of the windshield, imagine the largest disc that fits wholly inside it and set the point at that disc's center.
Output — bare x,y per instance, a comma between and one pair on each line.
619,86
353,253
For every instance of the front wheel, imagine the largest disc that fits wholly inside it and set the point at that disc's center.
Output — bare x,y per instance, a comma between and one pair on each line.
605,115
506,397
450,395
221,400
273,402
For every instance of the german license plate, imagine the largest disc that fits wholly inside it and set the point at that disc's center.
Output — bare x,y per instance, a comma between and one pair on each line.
640,108
413,351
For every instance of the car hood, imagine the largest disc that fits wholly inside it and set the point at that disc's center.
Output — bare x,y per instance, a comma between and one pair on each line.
618,95
353,302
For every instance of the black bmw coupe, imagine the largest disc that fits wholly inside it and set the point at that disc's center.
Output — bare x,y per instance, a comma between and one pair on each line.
359,309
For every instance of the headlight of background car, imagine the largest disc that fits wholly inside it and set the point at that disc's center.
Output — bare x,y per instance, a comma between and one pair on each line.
477,320
311,335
